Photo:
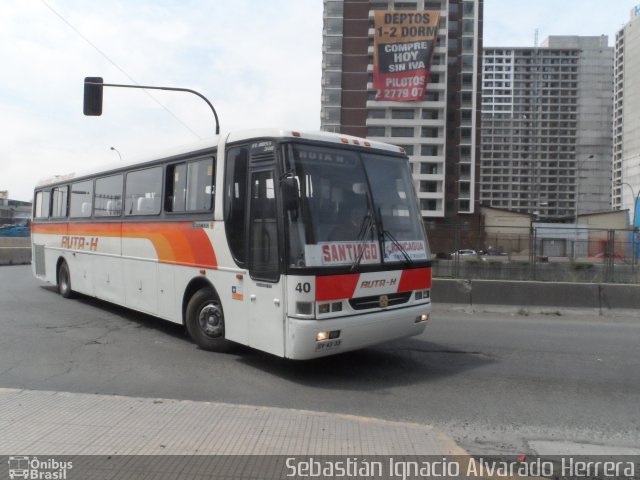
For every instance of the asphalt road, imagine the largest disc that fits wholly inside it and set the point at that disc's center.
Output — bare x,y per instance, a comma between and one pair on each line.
498,383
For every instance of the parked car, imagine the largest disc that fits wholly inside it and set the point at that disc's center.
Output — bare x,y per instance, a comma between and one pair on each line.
464,253
492,253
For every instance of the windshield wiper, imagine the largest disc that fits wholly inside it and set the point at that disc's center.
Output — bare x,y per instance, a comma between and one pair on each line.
386,233
365,228
398,245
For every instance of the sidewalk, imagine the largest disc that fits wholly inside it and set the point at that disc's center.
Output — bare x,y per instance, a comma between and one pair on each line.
56,423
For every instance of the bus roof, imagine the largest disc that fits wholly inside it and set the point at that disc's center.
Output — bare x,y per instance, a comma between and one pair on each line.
211,143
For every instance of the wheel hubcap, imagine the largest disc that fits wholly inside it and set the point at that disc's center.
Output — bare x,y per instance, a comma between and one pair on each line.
210,320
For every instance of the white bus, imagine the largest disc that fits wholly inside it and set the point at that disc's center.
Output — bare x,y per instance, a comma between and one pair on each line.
301,245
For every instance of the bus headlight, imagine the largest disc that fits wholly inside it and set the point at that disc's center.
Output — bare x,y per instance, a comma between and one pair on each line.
332,335
304,308
329,307
422,294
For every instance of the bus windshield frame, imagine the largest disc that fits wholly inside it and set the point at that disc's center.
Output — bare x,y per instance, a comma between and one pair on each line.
348,210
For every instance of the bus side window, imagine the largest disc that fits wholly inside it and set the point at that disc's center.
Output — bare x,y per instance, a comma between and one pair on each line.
108,196
42,204
81,197
200,185
142,192
59,196
190,186
176,188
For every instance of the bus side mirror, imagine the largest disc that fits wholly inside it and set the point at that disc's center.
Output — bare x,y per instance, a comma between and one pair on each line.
290,194
92,105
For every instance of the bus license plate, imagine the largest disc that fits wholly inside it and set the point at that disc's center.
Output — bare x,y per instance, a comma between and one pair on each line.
328,345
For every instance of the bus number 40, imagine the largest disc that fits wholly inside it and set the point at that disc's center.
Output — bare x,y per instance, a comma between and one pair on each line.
303,287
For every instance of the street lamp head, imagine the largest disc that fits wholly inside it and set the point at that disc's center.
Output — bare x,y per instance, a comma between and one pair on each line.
117,151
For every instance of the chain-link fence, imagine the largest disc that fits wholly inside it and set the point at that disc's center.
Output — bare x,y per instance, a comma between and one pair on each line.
558,253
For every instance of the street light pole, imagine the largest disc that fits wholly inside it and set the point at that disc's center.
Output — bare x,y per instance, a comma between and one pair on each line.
635,205
577,203
93,96
578,178
634,220
117,151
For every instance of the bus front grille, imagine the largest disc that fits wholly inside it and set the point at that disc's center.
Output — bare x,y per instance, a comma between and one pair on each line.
363,303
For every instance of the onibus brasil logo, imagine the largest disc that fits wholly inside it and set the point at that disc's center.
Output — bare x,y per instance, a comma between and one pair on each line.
36,469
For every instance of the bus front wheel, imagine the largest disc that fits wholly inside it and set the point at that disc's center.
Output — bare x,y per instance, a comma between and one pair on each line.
205,321
64,281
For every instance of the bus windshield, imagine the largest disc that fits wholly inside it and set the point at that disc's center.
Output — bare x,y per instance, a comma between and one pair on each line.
350,208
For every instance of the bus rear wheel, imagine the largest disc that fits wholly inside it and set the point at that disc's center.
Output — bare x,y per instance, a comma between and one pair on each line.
205,321
64,281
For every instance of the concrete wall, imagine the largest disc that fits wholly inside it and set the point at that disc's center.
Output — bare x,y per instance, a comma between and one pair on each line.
537,296
613,220
15,251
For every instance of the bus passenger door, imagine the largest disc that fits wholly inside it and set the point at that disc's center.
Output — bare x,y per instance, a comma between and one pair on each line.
266,301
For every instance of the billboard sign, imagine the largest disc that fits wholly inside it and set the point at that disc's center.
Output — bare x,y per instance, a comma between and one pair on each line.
403,48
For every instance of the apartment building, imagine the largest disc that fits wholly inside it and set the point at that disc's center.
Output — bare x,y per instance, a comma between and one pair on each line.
546,127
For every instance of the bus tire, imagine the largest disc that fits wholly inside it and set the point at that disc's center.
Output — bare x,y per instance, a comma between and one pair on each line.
64,281
205,321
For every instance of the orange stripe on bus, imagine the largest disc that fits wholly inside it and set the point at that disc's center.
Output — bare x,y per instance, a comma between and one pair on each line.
176,243
53,229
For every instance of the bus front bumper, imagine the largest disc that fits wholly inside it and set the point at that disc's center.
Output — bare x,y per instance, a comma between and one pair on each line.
306,337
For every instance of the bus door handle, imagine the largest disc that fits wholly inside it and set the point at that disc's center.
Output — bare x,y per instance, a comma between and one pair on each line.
252,298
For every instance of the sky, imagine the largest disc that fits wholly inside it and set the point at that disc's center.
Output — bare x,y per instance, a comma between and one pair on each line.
258,62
